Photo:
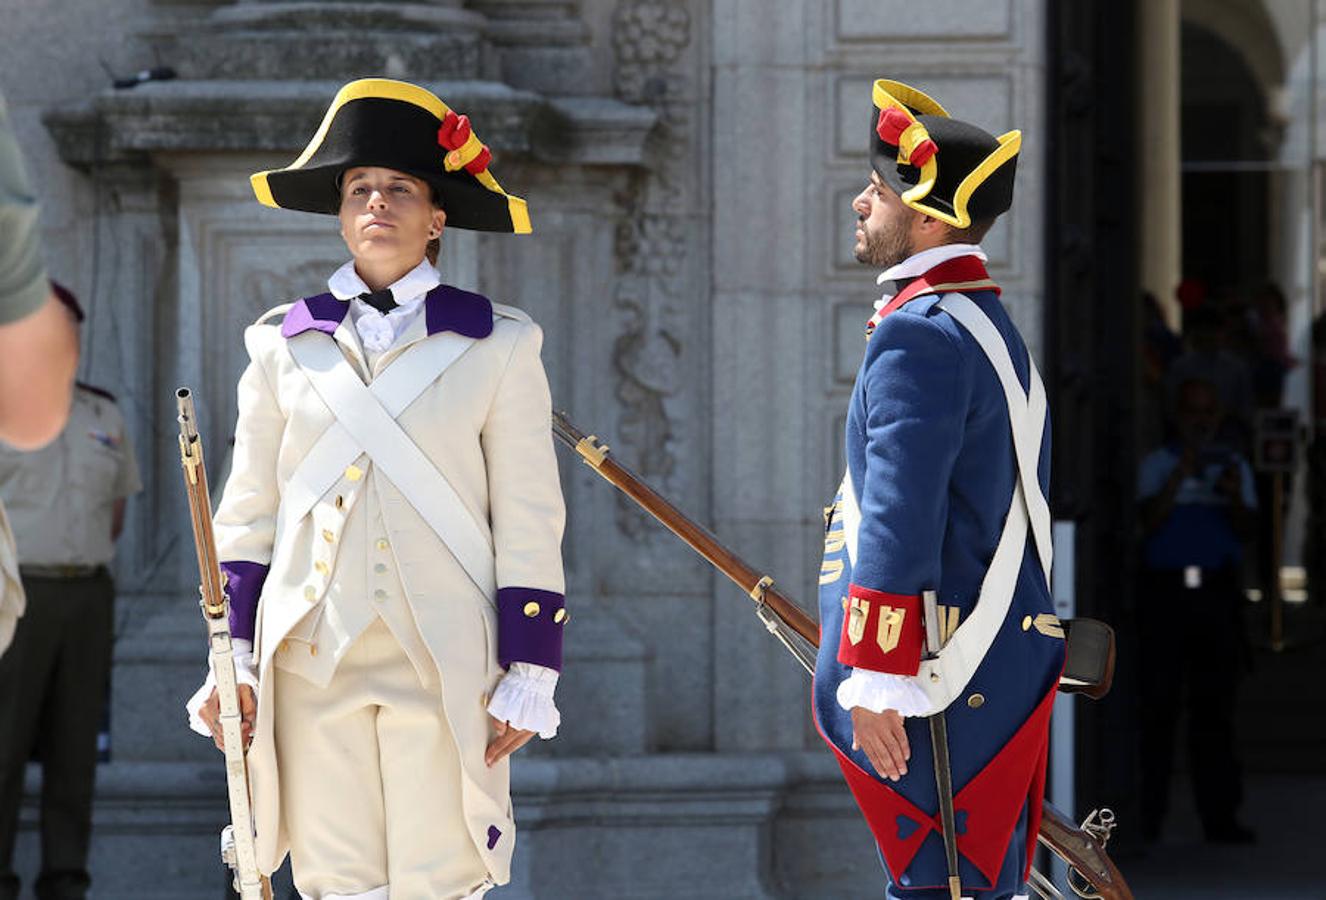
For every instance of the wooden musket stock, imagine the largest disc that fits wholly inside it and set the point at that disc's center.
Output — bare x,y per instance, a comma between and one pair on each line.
1080,849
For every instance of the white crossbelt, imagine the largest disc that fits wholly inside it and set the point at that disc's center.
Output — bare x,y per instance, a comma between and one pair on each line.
366,423
945,677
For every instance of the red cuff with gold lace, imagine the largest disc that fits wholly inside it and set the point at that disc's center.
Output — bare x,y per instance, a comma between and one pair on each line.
881,632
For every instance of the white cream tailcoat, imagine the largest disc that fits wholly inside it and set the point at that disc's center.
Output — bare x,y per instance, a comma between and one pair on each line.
485,425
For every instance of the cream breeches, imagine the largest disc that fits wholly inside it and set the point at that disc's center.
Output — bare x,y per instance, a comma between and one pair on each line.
371,782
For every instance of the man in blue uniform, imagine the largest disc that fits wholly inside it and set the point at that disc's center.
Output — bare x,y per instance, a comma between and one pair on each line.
947,473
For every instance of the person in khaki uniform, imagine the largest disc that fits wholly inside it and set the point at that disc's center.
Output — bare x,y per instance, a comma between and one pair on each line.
391,528
67,503
38,348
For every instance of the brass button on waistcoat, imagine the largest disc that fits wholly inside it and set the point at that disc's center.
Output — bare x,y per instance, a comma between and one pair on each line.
382,544
380,568
379,595
354,473
322,567
328,535
310,592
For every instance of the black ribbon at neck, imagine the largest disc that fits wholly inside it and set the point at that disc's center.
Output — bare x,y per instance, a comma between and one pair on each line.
382,300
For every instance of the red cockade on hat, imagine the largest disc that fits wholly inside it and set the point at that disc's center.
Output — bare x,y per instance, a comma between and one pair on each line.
454,134
893,124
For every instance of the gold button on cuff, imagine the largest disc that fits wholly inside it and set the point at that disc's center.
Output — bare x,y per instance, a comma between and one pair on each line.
328,536
322,567
1026,623
976,701
354,473
379,595
380,568
532,609
310,592
382,544
561,616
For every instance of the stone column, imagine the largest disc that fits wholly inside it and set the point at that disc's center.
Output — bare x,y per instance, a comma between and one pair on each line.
1157,146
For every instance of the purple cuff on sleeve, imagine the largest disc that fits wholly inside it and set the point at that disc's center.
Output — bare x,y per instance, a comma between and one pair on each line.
529,627
243,585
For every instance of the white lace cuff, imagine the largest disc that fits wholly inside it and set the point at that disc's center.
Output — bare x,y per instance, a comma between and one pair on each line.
878,691
524,699
245,673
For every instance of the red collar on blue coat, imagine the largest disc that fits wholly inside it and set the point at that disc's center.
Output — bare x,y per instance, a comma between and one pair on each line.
956,274
446,308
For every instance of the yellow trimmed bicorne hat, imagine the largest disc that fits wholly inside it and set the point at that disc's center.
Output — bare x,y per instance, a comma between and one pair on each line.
401,126
941,166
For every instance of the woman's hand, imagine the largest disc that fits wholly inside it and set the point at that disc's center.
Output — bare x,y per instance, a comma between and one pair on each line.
210,713
507,741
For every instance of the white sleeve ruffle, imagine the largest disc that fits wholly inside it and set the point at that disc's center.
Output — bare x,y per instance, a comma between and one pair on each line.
524,699
245,673
878,691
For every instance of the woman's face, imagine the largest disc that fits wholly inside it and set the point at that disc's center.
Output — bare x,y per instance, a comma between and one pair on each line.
387,215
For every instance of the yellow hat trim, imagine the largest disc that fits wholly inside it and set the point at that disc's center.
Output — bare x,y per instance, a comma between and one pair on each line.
895,93
462,155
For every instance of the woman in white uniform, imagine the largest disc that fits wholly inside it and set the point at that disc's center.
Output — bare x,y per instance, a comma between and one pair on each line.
391,528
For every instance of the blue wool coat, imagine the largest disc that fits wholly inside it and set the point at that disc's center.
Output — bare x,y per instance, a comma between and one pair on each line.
932,464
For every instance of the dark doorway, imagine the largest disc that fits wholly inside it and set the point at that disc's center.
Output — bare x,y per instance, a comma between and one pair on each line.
1227,141
1093,315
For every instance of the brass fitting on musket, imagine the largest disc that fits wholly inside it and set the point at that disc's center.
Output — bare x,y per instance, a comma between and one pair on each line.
189,456
592,451
757,592
587,445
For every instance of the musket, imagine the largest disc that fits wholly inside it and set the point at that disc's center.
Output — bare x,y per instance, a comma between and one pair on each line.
1092,874
238,844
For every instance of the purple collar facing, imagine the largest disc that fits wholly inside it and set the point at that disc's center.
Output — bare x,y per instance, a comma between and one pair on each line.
446,308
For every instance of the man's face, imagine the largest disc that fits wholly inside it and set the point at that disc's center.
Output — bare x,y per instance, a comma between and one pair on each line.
883,225
1197,414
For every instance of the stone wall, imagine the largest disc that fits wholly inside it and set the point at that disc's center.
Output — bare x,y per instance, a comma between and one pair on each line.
688,167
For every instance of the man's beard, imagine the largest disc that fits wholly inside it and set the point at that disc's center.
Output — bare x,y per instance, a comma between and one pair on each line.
886,247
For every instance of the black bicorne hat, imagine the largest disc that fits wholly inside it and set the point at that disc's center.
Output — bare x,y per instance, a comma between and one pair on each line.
943,167
401,126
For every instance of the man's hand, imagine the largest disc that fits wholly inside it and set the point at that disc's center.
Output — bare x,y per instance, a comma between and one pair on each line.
884,740
210,713
507,741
